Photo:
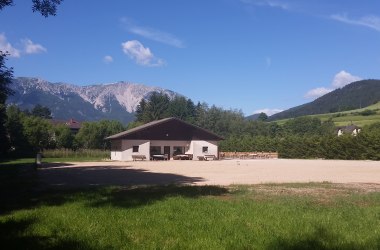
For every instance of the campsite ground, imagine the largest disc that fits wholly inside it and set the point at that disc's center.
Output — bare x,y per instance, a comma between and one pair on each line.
225,172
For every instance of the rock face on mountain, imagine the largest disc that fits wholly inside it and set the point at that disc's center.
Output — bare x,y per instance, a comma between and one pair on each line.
116,101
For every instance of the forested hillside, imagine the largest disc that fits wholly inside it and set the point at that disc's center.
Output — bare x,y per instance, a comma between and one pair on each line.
355,95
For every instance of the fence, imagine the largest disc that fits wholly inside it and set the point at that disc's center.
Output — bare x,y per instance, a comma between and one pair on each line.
248,155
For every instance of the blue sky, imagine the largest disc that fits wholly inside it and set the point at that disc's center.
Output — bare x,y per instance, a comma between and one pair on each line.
242,54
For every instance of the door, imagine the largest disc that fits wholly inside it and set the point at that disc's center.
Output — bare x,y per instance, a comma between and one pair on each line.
167,151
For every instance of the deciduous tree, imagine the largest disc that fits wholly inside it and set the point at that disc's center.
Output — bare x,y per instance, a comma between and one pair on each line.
6,75
45,7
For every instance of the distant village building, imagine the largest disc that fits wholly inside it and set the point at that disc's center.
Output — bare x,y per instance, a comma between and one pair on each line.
165,139
73,125
350,130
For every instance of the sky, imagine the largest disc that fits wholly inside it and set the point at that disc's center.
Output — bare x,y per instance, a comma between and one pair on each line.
249,55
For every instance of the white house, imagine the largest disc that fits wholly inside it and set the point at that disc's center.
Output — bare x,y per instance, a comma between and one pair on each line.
169,138
351,129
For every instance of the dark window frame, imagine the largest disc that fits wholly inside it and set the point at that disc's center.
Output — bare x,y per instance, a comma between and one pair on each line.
135,149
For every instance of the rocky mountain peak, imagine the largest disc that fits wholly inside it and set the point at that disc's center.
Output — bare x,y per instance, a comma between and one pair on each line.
105,98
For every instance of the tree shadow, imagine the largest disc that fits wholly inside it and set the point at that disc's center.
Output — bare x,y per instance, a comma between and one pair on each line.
57,184
141,196
108,176
324,239
19,185
14,235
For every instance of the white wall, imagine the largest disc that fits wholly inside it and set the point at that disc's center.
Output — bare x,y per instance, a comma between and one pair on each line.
116,155
127,147
197,146
191,147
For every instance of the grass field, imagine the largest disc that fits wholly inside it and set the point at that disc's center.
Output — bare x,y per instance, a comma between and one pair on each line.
347,117
286,216
29,161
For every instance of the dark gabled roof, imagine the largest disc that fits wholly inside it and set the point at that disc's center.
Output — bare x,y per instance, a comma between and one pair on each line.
166,129
349,128
72,124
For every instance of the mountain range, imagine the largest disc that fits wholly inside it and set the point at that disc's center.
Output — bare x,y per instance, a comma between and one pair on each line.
116,101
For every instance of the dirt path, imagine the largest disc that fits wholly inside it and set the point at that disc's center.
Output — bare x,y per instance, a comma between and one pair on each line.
224,172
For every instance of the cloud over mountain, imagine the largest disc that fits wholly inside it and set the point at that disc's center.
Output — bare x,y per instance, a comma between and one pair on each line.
340,80
140,54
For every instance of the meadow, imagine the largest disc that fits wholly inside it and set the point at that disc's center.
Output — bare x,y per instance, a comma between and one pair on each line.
345,118
271,216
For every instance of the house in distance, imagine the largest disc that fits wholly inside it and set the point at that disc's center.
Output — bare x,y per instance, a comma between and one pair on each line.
165,139
350,130
73,125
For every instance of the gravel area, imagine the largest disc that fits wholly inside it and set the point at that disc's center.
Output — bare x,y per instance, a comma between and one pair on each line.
224,172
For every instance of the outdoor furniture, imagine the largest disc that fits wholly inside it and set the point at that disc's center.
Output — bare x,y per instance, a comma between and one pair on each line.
243,156
183,157
190,156
253,155
138,157
202,158
212,157
158,157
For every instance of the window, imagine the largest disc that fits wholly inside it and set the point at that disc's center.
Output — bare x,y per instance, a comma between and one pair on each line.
177,150
155,150
204,149
135,149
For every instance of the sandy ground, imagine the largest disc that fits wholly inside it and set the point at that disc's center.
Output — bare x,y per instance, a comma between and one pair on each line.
225,172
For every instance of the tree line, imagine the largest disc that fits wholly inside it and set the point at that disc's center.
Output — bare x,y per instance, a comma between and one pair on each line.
29,132
301,137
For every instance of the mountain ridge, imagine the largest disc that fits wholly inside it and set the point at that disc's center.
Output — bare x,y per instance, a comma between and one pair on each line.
96,101
354,95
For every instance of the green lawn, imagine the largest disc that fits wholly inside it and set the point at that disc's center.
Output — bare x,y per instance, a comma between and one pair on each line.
288,216
29,161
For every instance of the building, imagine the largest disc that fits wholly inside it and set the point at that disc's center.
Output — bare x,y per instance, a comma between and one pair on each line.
73,125
350,130
164,139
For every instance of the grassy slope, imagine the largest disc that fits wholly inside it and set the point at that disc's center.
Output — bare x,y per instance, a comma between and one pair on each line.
292,216
349,116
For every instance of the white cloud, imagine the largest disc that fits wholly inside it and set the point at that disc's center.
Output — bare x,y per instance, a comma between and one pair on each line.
370,21
340,80
268,111
317,92
153,34
32,48
343,78
141,55
5,46
108,59
268,3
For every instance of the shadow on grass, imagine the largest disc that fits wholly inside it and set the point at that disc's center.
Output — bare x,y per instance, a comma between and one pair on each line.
14,235
121,197
108,176
322,238
134,197
55,185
